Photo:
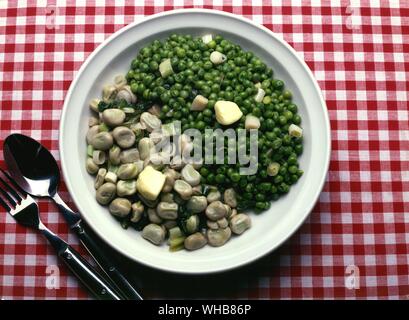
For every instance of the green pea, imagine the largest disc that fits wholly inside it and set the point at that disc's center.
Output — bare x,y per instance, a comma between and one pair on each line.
260,205
212,44
277,143
286,140
296,119
144,67
134,88
153,66
256,112
249,187
288,115
165,97
287,94
204,171
278,179
269,124
235,177
278,84
265,186
207,113
248,195
294,178
200,125
220,178
283,187
293,108
207,65
165,108
146,94
181,53
298,149
293,169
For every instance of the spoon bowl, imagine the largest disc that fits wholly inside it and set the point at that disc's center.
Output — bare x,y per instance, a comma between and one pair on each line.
31,165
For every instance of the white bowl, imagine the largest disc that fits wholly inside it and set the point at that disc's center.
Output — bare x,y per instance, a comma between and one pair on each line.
271,228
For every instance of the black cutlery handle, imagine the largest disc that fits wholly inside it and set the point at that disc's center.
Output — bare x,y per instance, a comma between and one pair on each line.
116,277
113,275
85,273
80,267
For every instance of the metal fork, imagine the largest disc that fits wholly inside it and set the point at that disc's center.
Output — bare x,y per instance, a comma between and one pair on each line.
25,211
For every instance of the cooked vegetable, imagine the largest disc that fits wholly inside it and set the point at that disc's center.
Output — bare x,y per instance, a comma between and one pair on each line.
137,211
106,193
240,223
183,189
295,131
120,207
199,103
205,83
165,68
129,156
190,175
99,180
219,237
217,57
92,132
195,241
126,188
168,211
154,233
273,168
98,157
113,117
102,141
252,122
216,210
91,166
124,137
111,177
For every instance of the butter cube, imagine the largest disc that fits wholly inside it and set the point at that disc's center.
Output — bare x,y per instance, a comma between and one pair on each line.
227,112
150,183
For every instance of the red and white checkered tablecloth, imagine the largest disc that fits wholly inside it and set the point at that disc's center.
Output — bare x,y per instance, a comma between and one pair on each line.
354,244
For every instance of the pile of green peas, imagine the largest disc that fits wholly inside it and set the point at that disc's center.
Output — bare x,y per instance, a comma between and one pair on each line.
234,80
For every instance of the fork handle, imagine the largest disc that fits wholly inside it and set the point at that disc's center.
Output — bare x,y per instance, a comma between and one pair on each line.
85,273
113,275
117,278
80,267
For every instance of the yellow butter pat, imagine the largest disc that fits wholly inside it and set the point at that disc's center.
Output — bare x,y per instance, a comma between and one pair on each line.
150,183
227,112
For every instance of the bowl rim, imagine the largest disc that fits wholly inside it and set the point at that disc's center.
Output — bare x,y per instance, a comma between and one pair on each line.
291,50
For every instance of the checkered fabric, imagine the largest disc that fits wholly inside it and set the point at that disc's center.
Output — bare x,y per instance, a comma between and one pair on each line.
354,245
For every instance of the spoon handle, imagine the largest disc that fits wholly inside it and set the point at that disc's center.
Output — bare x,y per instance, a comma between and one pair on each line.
113,275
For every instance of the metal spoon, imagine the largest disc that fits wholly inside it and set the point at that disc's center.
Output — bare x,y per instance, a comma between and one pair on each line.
36,171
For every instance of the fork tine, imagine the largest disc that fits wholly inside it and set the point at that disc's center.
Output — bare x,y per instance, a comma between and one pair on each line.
19,189
13,192
6,195
4,204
